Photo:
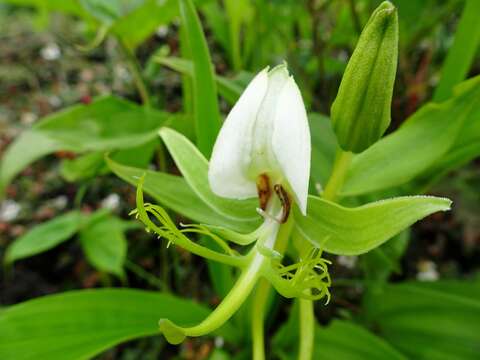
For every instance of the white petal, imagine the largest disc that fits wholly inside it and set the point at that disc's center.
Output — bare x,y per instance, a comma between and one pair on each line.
291,141
227,173
262,157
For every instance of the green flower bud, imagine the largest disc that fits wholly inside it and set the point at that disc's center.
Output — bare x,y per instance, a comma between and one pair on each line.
361,110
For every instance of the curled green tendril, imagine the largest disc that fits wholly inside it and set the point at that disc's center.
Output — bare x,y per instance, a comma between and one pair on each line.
167,229
307,279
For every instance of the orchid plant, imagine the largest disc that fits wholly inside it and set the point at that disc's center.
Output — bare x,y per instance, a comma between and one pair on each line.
263,151
265,206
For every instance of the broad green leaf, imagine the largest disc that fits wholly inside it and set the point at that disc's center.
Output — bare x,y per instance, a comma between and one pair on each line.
108,123
206,110
81,324
72,7
144,19
92,164
194,168
104,243
348,341
465,149
174,193
83,167
353,231
107,12
424,139
434,321
462,53
44,236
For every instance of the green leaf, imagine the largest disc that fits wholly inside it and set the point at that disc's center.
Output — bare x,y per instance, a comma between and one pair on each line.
353,231
72,7
462,53
145,19
424,139
229,89
80,324
194,168
206,110
347,341
104,243
83,167
174,193
434,321
44,236
339,340
92,164
108,123
107,12
324,145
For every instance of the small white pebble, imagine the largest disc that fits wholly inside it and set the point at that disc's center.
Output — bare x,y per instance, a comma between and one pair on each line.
111,202
60,202
348,261
219,342
55,101
122,72
427,271
9,210
28,118
51,52
162,31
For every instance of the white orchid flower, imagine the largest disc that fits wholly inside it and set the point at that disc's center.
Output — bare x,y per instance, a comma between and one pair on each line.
265,134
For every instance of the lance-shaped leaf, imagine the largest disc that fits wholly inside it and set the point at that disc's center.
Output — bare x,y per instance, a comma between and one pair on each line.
424,139
361,110
462,52
45,236
174,193
353,231
205,102
106,124
85,323
194,168
229,89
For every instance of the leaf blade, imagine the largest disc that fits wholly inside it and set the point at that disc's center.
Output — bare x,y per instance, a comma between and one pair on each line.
174,193
353,231
86,322
206,110
44,236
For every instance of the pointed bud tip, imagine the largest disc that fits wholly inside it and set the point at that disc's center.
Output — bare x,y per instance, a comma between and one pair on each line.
385,9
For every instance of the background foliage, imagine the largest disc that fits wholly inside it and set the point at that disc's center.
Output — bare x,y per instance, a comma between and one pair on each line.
83,78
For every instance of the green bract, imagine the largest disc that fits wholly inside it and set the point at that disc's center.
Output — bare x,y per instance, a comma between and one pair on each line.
361,110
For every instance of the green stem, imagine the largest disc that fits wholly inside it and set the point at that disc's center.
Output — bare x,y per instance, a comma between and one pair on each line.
340,167
307,329
258,315
307,318
259,304
136,72
145,275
